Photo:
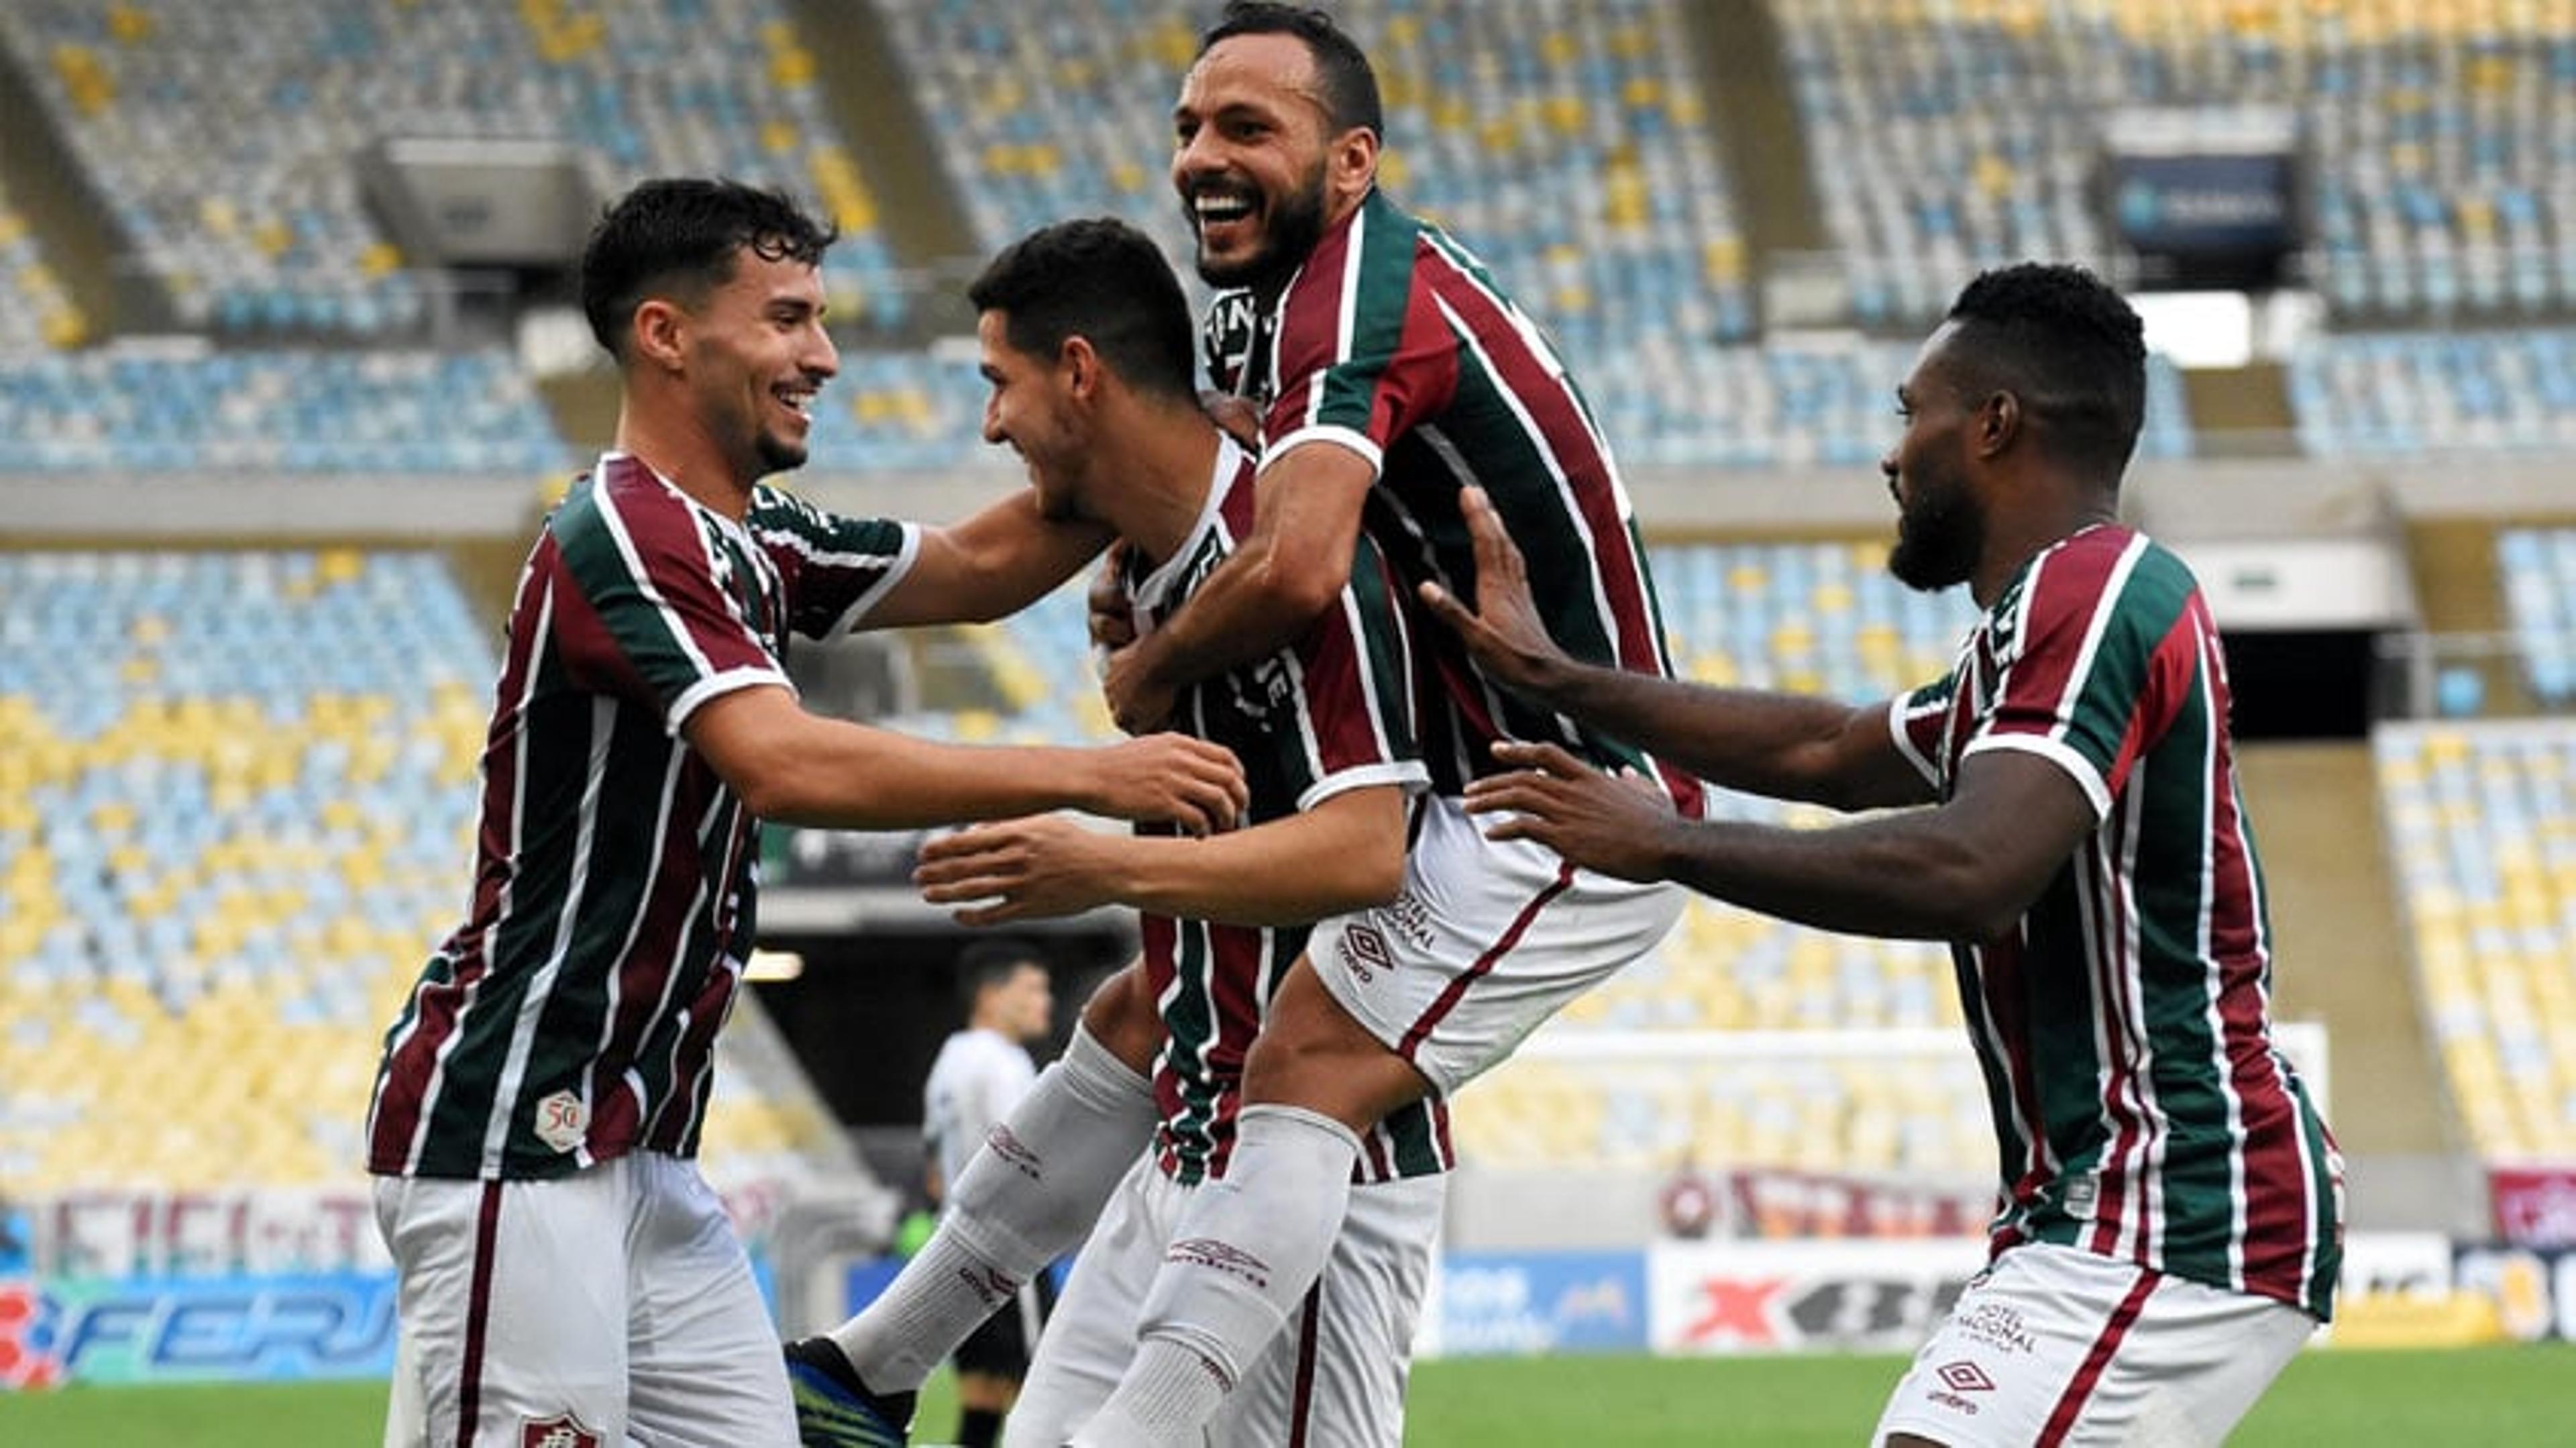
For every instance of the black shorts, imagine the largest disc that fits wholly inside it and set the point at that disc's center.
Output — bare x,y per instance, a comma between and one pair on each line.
1000,1348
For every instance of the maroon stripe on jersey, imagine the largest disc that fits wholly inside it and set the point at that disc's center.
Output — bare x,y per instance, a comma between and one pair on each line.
1378,1167
591,656
1417,381
1452,993
1999,968
1440,1129
693,1059
1301,1402
2070,1404
657,518
2118,1017
2067,582
478,1314
411,1062
649,954
1235,958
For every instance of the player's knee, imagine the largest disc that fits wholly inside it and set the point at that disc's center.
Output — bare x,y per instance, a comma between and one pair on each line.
1122,1017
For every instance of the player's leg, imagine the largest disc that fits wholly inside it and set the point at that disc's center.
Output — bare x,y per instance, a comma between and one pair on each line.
1485,940
1248,1248
1335,1378
1027,1196
513,1295
2061,1345
702,1355
992,1363
1091,1336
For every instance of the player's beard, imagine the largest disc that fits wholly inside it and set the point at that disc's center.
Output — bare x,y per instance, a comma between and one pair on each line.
777,454
1940,531
1294,223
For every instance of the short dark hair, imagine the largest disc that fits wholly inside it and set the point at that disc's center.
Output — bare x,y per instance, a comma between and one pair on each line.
2069,347
1342,69
984,964
679,235
1103,280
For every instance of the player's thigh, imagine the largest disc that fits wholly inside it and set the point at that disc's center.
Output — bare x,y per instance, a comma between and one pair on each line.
2054,1344
513,1299
1335,1378
1486,939
704,1359
1091,1335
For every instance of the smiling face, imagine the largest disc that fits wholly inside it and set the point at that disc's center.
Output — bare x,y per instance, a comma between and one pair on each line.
756,356
1252,148
1940,519
1028,410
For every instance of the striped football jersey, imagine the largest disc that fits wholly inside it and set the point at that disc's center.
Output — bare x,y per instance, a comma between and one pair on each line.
1330,713
2124,1029
572,1018
1392,341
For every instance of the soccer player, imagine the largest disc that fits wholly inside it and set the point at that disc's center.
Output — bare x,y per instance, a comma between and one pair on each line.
1393,375
981,1072
564,1269
2171,1211
1086,343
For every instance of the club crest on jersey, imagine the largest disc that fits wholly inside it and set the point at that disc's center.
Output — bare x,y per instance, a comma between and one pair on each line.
561,1431
563,1119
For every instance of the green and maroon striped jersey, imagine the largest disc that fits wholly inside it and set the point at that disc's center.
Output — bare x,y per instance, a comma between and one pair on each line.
573,1017
2124,1027
1330,713
1393,342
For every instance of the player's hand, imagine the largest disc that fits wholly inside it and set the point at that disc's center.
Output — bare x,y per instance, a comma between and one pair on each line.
1618,825
1030,869
1170,778
1136,702
1503,633
1113,619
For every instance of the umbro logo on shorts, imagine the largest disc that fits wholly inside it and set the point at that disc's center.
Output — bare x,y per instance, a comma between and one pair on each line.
1964,1376
1364,951
564,1431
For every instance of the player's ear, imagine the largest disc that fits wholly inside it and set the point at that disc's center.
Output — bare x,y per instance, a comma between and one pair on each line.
1081,366
1998,422
657,335
1351,162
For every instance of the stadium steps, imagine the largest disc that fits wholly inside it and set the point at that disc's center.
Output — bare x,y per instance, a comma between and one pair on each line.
1738,48
873,102
2340,958
72,225
2460,592
2241,412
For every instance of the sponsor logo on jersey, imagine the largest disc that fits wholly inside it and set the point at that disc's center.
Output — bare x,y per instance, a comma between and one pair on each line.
1222,1257
561,1431
562,1120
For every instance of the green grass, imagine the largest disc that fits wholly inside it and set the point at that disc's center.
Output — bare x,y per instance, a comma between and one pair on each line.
2496,1397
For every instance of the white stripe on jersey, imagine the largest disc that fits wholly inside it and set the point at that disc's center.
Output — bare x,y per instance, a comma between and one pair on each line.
541,981
616,979
677,626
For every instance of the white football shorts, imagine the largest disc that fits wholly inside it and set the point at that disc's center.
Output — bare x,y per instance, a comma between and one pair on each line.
2055,1345
1486,940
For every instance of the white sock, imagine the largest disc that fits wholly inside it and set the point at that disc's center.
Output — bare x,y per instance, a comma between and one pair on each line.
1012,1211
1242,1257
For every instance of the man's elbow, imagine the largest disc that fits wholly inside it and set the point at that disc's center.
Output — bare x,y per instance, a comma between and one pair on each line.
1369,878
1297,588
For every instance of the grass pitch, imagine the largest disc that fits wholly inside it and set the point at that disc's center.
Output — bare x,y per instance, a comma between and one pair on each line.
2503,1397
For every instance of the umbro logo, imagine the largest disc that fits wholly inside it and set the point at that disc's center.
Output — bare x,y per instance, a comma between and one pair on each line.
1220,1257
1964,1376
1001,1142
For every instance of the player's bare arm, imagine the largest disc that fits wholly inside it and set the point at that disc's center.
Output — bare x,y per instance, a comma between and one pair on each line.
1345,854
796,768
1280,579
1965,870
994,563
1785,746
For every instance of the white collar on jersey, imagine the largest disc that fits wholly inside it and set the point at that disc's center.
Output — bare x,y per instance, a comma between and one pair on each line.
738,531
1168,574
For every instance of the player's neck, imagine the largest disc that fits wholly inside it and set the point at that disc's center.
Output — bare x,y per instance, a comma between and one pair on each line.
670,441
1164,477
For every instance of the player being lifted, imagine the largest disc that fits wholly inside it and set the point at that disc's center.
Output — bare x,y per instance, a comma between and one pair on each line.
563,1267
2171,1211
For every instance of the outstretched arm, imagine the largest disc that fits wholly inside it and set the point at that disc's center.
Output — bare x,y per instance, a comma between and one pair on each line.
1963,871
1344,854
1277,581
1786,746
992,564
797,768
